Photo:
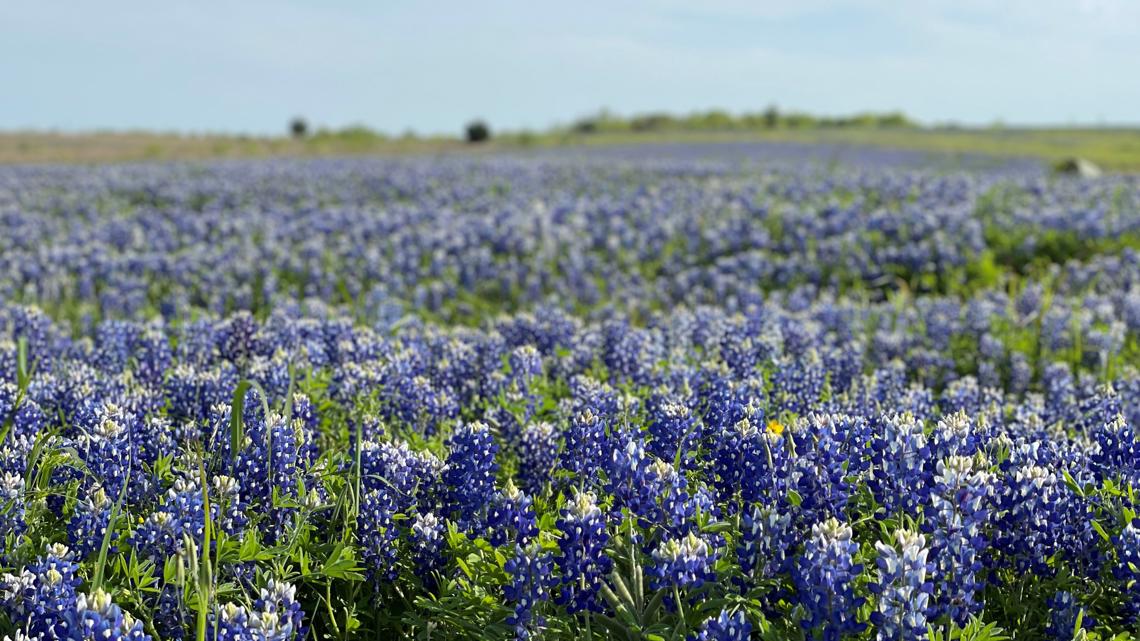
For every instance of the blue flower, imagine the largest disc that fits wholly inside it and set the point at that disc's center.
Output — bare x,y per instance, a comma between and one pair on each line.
428,546
42,599
537,453
671,428
824,580
898,476
1064,611
532,579
510,517
585,445
685,562
469,476
582,559
96,618
724,627
1127,569
902,588
960,501
378,536
766,537
88,527
12,504
274,616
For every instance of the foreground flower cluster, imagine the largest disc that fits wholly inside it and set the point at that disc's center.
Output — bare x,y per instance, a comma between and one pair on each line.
628,398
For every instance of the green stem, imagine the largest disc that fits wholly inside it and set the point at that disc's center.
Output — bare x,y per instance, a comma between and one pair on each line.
680,610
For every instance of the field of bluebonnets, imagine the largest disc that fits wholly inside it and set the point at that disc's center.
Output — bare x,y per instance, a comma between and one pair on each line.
635,395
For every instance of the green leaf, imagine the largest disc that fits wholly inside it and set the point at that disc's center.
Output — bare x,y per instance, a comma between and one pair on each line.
112,521
237,407
1072,483
718,527
23,376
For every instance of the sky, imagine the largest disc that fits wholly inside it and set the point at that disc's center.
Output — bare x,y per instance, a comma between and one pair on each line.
250,66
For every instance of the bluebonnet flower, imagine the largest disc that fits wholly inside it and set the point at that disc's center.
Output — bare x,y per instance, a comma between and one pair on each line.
469,476
599,398
830,450
378,536
1127,568
153,357
1038,520
1060,393
898,475
902,588
766,537
585,442
153,437
510,517
582,558
274,616
954,435
684,562
671,426
798,383
634,478
234,336
537,453
412,477
171,617
88,527
824,580
738,351
12,504
1096,409
42,598
428,533
114,344
532,579
1029,301
26,416
108,451
960,501
718,403
1020,373
182,514
1064,610
418,402
272,374
754,461
724,627
275,454
526,364
277,604
628,352
97,618
967,396
1117,450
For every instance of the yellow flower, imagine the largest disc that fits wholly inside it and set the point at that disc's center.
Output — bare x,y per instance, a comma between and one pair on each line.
776,428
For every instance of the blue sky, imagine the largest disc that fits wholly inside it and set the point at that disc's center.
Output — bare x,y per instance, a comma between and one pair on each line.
209,66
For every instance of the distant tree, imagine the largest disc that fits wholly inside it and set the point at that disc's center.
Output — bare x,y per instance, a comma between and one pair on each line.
298,128
586,126
478,131
771,117
652,122
715,119
895,119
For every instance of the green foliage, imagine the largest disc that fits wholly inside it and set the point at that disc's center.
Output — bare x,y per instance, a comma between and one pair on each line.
718,120
975,630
